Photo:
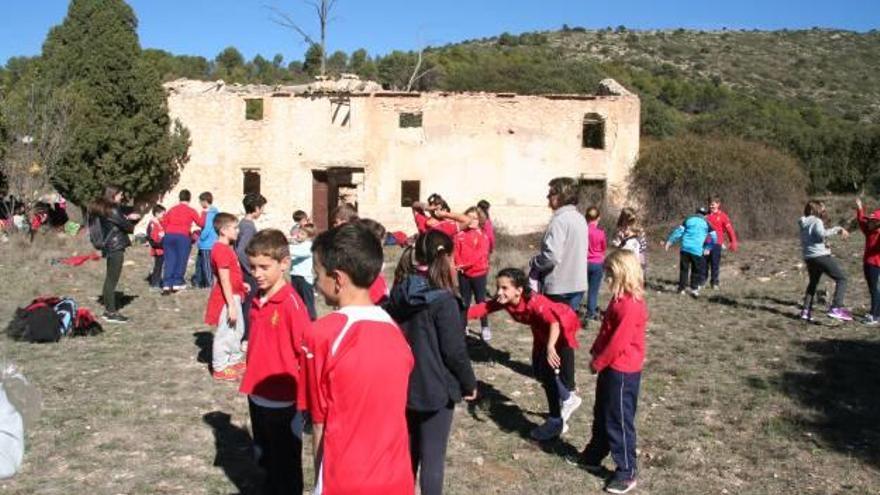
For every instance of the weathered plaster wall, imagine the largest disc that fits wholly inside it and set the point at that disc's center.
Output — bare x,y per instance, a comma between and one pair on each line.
470,147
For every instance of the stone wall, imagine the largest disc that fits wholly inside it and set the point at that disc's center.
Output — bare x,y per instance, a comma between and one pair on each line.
502,148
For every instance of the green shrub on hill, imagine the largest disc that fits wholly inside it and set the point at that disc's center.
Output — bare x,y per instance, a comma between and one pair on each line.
762,189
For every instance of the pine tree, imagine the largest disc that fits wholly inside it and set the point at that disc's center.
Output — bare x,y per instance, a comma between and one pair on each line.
120,129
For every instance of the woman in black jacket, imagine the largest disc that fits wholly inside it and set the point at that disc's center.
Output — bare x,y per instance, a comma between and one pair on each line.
115,228
423,302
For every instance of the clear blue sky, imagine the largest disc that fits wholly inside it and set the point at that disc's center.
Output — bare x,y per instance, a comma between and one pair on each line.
205,27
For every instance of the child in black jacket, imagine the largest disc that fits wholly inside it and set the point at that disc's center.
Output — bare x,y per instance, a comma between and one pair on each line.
424,304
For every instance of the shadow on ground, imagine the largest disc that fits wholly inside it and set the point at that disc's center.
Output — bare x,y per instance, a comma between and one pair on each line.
842,387
235,453
122,299
483,352
205,342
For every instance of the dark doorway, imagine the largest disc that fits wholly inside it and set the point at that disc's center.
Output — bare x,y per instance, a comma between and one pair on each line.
330,188
251,182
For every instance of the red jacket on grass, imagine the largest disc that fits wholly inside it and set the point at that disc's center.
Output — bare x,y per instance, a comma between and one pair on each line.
180,218
275,357
538,312
872,237
620,343
471,253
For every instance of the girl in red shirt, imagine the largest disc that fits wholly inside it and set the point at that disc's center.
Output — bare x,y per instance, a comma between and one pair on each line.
471,254
869,226
618,353
554,332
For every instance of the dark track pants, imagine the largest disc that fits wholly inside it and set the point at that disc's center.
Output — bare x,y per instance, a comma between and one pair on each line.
307,293
428,436
472,288
614,429
713,263
111,279
280,448
818,266
872,276
176,247
692,265
545,374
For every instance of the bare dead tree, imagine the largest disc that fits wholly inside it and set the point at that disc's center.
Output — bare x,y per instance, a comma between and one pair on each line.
416,75
323,9
38,124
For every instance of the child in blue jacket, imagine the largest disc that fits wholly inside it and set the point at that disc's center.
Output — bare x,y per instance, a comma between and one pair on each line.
697,238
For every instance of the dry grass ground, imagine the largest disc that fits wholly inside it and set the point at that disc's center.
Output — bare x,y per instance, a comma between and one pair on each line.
738,395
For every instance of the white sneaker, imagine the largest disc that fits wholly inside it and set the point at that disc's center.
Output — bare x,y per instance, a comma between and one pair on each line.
486,334
551,429
570,406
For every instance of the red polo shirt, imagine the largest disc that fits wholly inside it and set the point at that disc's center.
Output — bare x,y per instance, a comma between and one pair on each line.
472,252
620,343
379,290
274,356
357,367
180,219
223,256
538,312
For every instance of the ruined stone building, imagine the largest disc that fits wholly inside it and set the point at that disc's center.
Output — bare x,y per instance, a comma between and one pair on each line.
312,147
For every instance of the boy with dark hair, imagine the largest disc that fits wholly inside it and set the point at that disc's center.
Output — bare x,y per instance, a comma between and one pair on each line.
357,369
178,222
203,277
224,309
155,234
273,380
253,203
300,220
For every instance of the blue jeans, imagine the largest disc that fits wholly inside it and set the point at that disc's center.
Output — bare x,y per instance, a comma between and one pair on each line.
594,281
573,299
204,276
176,248
614,428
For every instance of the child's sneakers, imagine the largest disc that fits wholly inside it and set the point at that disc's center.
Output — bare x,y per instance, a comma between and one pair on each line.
551,429
570,406
806,316
240,367
620,486
841,314
870,321
486,334
226,375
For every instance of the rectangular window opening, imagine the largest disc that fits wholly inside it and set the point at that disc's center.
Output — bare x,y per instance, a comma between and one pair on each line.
410,119
410,191
594,131
253,109
251,182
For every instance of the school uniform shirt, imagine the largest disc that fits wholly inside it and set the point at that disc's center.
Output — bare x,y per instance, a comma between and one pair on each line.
489,230
223,257
275,356
448,227
358,365
872,237
180,218
156,233
538,312
378,290
421,221
720,222
620,343
471,253
597,242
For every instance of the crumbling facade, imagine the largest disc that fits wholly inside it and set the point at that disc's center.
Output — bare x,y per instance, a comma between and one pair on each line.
313,147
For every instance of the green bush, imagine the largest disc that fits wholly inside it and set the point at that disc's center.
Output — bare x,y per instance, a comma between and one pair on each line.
762,189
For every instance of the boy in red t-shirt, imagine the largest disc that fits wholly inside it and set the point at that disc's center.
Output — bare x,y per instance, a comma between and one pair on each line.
357,368
273,379
155,234
224,304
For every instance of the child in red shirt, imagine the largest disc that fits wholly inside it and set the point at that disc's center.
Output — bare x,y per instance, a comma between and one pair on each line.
379,288
224,304
358,364
554,339
155,234
618,353
871,260
273,379
471,255
720,222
